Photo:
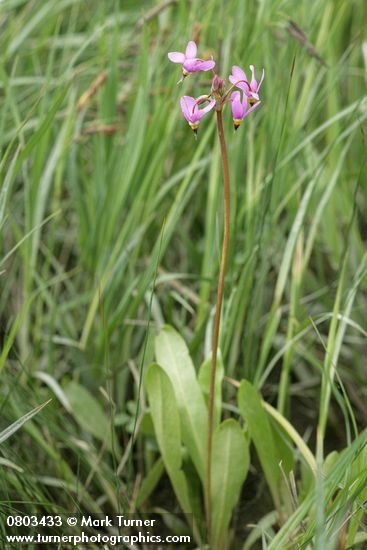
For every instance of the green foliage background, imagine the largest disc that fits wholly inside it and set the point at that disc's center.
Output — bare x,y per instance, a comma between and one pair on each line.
93,197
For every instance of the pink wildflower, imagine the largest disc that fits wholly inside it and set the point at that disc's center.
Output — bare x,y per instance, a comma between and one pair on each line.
190,63
190,110
239,108
239,79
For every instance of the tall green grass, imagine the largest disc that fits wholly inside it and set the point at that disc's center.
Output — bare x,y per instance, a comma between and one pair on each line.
81,216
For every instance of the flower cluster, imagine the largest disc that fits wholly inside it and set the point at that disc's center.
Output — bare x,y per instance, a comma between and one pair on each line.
243,94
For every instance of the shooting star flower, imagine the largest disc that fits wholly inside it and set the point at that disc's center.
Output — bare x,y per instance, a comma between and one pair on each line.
239,108
190,63
239,79
192,113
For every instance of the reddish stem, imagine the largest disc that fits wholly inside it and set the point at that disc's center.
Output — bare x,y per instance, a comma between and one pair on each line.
220,291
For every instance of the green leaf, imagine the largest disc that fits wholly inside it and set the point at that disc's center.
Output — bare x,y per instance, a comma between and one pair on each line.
204,381
88,413
150,482
332,481
146,425
167,429
293,435
19,423
358,510
283,444
230,463
173,356
249,402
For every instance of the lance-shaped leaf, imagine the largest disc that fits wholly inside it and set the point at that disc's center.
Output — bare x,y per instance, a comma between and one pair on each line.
150,482
230,463
167,429
10,430
173,356
262,434
89,414
204,381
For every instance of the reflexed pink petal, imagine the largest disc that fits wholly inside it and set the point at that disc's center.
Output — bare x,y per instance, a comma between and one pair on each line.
238,110
238,73
204,65
237,78
184,108
241,85
188,107
176,57
206,109
253,82
261,81
191,102
195,65
191,50
195,117
189,65
255,106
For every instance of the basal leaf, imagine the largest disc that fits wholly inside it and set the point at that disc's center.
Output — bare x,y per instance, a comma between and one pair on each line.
166,421
261,433
173,356
88,413
230,463
204,381
150,482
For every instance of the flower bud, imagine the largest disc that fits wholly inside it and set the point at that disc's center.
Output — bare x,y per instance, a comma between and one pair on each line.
218,86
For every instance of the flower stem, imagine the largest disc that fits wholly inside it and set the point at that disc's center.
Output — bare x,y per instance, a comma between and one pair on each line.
220,290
